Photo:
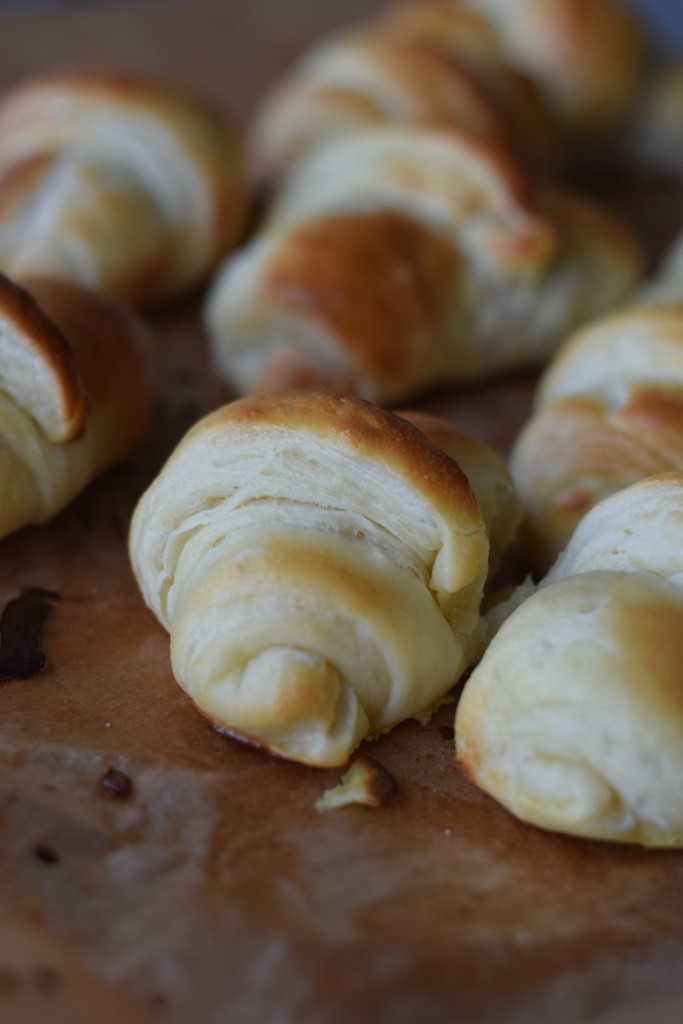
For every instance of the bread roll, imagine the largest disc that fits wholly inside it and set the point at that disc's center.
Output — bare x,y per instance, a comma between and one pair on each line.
383,76
574,717
403,257
319,565
609,410
115,183
75,394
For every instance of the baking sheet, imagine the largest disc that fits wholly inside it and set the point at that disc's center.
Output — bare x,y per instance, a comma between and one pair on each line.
216,892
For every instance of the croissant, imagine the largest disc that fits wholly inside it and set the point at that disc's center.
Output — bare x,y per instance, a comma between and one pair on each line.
587,56
115,183
375,77
609,410
403,257
319,564
75,394
574,717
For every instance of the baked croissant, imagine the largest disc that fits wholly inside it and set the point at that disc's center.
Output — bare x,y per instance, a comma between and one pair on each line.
115,183
574,717
403,257
319,564
378,76
587,56
609,410
75,394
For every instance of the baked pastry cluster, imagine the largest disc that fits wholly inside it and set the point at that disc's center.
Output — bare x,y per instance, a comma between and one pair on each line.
320,565
112,189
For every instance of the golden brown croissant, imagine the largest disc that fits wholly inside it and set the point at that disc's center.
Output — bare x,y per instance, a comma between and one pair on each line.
115,183
402,257
609,410
378,76
574,717
494,68
319,564
75,394
586,55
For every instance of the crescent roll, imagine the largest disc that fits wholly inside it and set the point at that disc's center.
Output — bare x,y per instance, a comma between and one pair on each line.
319,564
609,411
378,76
75,394
574,717
404,257
115,183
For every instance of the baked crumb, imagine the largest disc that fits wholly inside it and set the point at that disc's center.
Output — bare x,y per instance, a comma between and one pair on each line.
367,782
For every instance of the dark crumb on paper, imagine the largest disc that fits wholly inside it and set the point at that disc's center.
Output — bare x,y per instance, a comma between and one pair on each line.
46,855
116,785
367,782
20,623
448,732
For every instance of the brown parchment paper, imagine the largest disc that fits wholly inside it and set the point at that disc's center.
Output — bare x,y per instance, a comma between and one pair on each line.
215,893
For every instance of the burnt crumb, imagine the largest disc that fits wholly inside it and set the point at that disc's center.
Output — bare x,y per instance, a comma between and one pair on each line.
20,623
448,732
46,854
116,785
9,983
367,782
45,980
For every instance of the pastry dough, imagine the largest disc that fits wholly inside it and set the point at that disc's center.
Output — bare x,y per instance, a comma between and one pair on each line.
609,410
115,183
574,717
75,394
402,257
319,564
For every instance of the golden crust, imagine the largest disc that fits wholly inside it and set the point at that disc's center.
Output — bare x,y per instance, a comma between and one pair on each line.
377,281
38,367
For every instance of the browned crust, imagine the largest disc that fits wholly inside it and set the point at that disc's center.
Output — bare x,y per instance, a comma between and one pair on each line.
113,349
377,283
363,429
41,335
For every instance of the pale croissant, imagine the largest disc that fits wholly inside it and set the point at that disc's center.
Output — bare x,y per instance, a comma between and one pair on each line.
405,257
115,183
609,410
319,564
75,394
574,717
